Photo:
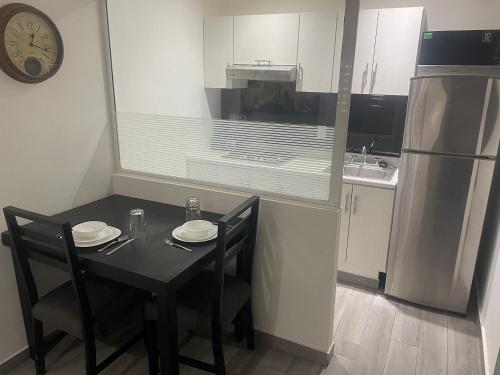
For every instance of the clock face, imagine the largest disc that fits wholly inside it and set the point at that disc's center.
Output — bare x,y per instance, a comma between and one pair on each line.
31,48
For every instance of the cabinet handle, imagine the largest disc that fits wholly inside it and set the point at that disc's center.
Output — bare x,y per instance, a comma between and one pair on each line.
364,79
300,73
374,78
346,205
355,205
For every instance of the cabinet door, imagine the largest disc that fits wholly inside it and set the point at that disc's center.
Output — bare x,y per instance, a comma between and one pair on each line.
395,61
365,47
345,206
316,51
370,227
218,50
271,37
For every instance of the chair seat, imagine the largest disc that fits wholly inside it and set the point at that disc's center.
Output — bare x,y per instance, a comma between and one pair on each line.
195,301
107,300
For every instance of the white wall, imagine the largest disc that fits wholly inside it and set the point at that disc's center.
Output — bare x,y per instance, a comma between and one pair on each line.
450,14
235,7
441,14
158,64
55,143
488,279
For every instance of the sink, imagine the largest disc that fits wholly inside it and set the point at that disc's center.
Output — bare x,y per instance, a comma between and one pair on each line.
368,171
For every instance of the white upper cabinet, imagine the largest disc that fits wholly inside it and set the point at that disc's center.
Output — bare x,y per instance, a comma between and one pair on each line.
398,35
386,50
271,37
218,50
365,48
316,51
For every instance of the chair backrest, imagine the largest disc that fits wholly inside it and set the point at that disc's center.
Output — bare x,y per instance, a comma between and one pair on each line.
236,237
44,233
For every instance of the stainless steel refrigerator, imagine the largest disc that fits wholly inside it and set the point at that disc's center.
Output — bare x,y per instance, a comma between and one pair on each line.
450,147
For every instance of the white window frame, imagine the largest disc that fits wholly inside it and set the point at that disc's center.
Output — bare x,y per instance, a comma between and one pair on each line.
341,120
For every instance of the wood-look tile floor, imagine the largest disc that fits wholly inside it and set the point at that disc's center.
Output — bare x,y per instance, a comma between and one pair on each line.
373,336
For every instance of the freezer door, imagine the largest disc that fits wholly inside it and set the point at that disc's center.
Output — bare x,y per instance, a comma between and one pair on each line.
448,115
433,198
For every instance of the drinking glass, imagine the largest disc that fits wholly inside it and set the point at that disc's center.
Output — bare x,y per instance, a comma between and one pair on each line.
137,223
193,211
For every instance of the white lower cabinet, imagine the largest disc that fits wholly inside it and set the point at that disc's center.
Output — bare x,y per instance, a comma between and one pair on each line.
365,230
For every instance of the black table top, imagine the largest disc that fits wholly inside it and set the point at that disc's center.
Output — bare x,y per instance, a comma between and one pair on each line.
144,263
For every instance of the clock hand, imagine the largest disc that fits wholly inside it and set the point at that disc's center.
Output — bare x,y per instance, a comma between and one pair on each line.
45,49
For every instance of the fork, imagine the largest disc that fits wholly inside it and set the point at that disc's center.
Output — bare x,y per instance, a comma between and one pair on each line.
172,243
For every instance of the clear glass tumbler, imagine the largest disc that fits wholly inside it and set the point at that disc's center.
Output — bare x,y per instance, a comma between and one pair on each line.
193,211
137,223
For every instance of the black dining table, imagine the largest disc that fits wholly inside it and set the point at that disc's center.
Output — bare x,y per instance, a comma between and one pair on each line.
148,263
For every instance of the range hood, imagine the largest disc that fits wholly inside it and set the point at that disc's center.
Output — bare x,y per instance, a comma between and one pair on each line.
275,73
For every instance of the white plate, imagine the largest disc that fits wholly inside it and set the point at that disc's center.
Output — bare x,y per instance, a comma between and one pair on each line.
109,234
105,233
180,234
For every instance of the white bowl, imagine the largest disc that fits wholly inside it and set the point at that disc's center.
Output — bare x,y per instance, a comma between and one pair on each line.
89,229
197,229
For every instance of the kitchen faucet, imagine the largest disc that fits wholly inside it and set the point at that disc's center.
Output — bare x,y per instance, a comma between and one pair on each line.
372,144
365,154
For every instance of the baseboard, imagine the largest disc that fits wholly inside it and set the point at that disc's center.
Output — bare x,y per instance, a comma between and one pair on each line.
357,280
298,350
14,361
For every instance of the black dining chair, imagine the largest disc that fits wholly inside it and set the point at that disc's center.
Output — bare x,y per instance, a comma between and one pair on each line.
213,299
80,307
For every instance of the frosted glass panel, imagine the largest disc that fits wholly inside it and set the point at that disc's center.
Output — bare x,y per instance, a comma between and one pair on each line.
177,116
286,159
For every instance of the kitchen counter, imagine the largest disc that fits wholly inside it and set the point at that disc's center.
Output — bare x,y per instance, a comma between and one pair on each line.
375,182
299,166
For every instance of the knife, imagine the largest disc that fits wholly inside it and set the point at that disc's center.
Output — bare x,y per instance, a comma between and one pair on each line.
119,246
122,238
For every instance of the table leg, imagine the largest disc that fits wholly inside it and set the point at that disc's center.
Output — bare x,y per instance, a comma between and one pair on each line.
167,333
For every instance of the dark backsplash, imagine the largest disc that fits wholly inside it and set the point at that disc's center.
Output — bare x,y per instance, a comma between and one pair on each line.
377,117
371,116
278,102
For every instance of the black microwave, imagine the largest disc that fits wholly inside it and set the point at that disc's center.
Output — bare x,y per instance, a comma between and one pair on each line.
464,47
379,119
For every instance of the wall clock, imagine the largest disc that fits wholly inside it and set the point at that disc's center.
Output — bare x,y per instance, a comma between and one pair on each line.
31,48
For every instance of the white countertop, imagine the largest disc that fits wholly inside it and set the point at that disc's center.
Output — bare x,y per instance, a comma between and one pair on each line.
298,166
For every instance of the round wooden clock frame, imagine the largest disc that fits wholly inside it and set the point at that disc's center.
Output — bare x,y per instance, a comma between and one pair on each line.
6,13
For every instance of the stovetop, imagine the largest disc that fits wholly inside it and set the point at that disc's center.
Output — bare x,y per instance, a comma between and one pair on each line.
259,157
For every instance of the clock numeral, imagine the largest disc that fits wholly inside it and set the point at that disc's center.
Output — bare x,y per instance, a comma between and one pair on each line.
18,53
21,27
13,43
45,36
29,24
15,32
